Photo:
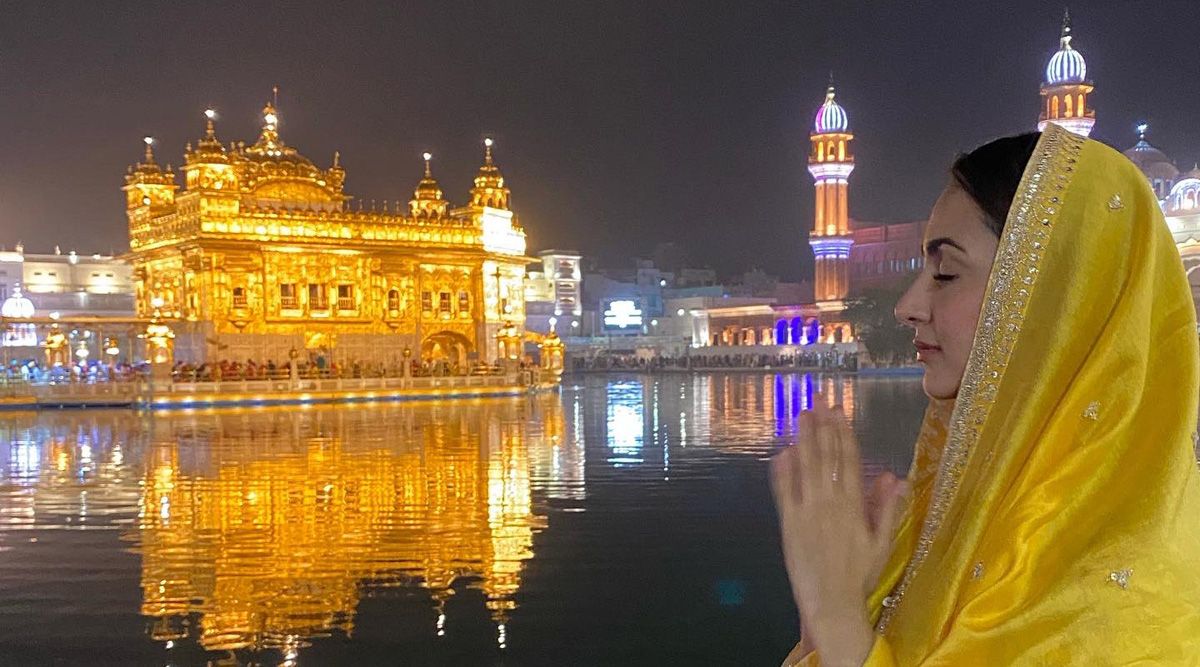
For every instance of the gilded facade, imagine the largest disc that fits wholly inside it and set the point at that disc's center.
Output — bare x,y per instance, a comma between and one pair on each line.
260,252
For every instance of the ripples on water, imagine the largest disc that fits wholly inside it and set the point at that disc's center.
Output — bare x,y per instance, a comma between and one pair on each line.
626,521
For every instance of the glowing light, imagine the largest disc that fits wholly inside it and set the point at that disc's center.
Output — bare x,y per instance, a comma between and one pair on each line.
270,118
488,142
837,247
622,313
680,312
427,155
148,140
210,114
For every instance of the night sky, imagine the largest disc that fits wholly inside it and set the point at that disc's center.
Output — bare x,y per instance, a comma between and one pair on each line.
618,124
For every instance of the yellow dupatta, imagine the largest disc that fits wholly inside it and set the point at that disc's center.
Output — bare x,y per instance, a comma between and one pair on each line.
1055,512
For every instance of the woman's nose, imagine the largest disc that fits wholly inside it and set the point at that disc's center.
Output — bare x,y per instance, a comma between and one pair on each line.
913,307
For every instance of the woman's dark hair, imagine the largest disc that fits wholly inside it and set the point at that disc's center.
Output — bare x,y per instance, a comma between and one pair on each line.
992,173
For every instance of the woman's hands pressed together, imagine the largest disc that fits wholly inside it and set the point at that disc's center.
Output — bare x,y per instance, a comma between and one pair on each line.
835,543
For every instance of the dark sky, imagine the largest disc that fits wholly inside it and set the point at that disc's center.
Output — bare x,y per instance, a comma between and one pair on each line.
619,124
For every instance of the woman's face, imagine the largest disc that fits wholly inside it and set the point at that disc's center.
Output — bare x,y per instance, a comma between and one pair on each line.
943,305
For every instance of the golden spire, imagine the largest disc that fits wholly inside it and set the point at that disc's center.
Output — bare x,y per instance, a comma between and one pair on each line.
210,132
489,187
269,137
208,148
427,199
149,157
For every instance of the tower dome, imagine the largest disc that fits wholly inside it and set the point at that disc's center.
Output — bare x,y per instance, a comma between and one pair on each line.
830,117
1158,168
489,187
427,199
1067,64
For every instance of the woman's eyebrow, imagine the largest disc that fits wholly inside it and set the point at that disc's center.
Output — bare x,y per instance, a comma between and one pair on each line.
932,246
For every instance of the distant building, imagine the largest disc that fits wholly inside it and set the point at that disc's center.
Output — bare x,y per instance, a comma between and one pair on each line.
885,256
554,292
68,284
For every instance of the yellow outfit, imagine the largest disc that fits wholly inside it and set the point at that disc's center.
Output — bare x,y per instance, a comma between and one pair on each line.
1055,511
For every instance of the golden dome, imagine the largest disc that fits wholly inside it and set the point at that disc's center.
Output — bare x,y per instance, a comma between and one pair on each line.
427,199
489,187
208,148
148,171
277,173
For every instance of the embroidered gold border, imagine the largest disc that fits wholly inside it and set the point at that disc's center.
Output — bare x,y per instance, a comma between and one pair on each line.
1031,220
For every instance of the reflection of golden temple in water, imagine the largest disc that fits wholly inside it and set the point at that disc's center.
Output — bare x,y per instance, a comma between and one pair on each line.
265,528
271,538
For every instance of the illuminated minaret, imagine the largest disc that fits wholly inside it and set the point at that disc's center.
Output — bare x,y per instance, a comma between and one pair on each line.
830,164
1066,88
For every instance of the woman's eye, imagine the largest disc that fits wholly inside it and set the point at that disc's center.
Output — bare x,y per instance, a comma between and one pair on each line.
943,277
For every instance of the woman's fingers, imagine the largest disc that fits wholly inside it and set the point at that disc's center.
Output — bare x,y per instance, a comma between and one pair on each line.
827,475
808,455
848,457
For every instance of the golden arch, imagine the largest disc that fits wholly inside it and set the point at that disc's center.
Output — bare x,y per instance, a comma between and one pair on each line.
447,346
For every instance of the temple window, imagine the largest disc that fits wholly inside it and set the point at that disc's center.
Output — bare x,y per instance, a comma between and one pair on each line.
1070,106
239,297
427,302
345,297
842,150
318,297
464,303
1079,106
820,152
287,295
393,301
444,304
1054,107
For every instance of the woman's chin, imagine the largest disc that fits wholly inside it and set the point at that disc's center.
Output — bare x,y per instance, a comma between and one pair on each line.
938,387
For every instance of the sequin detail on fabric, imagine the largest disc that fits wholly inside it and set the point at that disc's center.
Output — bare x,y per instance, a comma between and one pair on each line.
1092,411
1026,235
1120,578
1115,204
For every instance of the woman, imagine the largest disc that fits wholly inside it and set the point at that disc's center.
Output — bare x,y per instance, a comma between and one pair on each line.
1052,512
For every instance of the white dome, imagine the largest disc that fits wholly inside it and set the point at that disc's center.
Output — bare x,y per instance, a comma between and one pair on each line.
17,306
830,117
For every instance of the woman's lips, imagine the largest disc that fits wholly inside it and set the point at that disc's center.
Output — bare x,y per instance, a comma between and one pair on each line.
925,350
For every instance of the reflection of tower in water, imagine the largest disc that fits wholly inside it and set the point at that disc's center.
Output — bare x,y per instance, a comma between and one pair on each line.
269,540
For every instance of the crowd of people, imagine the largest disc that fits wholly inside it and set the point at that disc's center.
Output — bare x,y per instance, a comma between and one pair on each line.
825,360
36,371
315,367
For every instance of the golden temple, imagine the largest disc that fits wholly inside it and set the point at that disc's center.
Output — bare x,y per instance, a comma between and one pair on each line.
260,253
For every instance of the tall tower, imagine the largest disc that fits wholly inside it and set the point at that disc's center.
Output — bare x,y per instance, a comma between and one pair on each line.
1066,88
830,164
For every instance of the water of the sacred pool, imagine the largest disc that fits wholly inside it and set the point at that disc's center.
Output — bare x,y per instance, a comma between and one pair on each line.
626,520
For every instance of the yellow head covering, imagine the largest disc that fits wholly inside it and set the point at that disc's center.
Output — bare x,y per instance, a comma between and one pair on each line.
1055,516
